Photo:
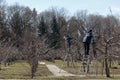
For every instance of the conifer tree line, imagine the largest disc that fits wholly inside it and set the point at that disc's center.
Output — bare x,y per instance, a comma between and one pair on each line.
28,35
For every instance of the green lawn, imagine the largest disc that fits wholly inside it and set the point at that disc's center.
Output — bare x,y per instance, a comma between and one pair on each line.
21,70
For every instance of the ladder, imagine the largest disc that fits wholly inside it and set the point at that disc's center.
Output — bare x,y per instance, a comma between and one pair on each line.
87,66
69,57
85,63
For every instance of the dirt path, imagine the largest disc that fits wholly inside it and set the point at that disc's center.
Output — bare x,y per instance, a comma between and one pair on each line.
57,71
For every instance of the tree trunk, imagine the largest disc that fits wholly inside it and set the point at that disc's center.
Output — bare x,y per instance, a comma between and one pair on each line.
68,65
53,56
32,72
102,67
0,66
107,71
53,59
68,57
107,68
110,63
34,66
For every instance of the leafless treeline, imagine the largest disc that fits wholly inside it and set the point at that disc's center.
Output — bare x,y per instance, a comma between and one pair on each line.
25,34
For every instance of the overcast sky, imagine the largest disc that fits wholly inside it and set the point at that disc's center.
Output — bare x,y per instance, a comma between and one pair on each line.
102,7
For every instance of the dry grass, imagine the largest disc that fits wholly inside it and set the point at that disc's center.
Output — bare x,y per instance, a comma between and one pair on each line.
115,73
21,70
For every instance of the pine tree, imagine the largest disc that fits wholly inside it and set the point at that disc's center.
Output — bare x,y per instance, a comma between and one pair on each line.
54,37
41,27
55,27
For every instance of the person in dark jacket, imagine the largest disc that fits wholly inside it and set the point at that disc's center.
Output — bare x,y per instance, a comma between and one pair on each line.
87,41
68,40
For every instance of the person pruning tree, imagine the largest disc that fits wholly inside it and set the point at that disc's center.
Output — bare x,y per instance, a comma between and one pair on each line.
87,41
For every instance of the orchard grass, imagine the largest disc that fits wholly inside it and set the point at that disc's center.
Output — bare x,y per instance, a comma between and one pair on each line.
115,73
21,70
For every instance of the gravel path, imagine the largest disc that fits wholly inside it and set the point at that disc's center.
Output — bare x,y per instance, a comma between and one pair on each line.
57,71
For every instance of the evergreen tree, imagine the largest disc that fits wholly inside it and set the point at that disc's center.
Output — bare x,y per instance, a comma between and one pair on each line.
41,27
54,37
55,27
